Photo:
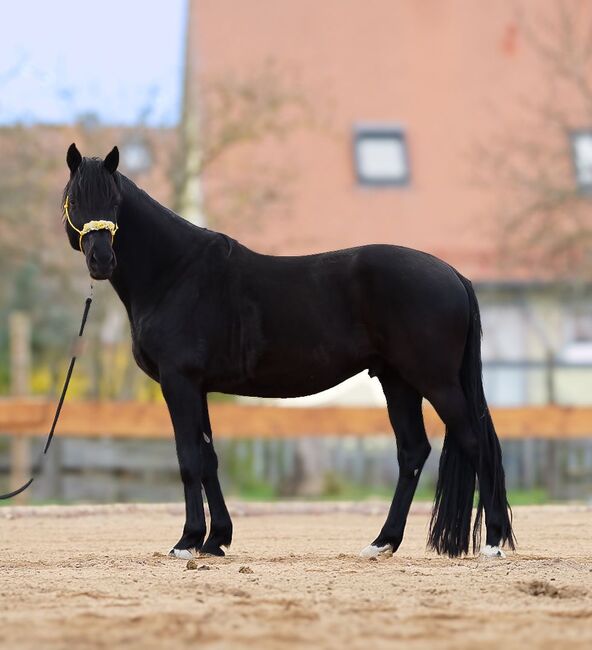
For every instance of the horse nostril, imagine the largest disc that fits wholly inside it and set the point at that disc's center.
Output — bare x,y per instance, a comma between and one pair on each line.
102,258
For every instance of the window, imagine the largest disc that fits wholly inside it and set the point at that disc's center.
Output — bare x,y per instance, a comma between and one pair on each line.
380,154
505,375
136,157
578,346
581,142
582,326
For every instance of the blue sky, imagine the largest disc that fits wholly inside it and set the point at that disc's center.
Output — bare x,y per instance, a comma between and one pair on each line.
60,59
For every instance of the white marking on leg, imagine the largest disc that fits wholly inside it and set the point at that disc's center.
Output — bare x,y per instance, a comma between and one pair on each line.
182,553
492,551
375,551
206,437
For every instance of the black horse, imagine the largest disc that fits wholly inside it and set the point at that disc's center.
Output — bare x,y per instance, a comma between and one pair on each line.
208,314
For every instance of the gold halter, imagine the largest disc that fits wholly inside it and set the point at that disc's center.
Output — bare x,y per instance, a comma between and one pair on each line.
89,226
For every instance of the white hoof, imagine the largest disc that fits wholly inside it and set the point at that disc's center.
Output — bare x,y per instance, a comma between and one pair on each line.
182,554
375,551
492,551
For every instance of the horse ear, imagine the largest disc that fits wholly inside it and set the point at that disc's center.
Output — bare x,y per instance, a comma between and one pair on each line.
112,160
73,158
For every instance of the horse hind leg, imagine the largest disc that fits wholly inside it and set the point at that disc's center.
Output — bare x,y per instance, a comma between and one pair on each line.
460,463
413,448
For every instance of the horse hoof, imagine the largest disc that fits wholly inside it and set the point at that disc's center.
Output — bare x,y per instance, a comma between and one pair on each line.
213,550
210,554
492,551
182,553
375,551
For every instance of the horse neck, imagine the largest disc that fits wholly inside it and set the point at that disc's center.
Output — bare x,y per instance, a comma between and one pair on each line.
150,243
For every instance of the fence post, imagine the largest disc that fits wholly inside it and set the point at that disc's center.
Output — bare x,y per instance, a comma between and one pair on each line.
20,375
553,470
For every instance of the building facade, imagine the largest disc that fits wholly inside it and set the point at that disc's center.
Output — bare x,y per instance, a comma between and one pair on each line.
407,96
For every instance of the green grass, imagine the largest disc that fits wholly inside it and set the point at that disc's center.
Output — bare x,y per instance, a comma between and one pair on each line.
534,496
260,491
353,492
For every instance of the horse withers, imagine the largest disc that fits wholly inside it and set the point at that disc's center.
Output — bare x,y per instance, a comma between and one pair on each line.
208,314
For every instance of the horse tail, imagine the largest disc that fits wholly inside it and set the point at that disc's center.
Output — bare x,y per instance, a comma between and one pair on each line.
450,527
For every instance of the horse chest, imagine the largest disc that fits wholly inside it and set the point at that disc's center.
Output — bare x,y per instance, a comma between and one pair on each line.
144,361
156,343
147,348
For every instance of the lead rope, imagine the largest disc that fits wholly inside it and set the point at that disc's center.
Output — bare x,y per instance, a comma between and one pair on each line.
77,349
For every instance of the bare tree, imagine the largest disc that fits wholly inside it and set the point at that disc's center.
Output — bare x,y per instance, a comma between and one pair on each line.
544,219
237,115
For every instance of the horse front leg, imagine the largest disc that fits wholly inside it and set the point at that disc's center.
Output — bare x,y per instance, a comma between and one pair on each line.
183,398
220,521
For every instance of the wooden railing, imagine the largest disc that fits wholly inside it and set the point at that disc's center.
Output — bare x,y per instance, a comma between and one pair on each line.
23,418
28,417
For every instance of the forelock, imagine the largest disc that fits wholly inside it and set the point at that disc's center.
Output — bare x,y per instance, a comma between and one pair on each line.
92,185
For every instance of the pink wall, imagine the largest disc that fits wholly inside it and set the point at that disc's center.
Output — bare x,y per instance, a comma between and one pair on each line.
449,71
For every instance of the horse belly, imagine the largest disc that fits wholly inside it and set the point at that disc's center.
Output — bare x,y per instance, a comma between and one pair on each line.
297,373
299,335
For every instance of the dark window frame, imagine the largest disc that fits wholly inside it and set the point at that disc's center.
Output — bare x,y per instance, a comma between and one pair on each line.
381,132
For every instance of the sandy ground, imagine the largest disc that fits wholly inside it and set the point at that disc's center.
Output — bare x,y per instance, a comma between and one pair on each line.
98,577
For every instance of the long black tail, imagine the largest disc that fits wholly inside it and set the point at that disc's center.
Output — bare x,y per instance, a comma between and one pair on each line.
450,527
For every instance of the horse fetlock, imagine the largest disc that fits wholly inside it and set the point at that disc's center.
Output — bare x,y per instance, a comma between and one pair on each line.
222,533
191,539
385,544
212,547
189,545
390,536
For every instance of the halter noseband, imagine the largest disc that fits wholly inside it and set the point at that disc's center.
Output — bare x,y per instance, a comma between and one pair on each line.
89,226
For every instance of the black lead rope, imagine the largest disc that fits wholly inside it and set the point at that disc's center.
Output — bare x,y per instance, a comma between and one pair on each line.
56,417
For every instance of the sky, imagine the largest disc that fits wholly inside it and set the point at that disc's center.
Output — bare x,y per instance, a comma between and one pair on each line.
120,60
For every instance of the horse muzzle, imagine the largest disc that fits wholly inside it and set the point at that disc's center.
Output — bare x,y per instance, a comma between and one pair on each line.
100,257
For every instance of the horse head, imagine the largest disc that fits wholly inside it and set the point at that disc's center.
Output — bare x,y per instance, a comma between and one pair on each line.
91,203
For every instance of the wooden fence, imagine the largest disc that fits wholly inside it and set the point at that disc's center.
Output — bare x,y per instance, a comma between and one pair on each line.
22,418
27,417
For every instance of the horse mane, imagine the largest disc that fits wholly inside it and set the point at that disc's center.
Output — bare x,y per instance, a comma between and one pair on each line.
93,185
128,186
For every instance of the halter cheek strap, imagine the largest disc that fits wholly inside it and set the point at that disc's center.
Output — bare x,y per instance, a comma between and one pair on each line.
89,226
